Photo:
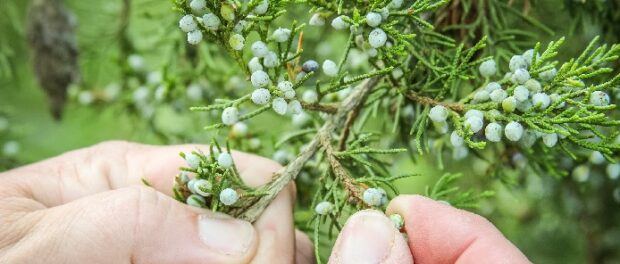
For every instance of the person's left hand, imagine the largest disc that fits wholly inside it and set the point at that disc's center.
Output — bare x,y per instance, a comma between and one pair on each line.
89,206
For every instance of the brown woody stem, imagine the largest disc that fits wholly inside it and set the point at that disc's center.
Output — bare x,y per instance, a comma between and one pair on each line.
282,178
430,101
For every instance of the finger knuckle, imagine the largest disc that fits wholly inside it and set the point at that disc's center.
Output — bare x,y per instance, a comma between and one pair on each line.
139,199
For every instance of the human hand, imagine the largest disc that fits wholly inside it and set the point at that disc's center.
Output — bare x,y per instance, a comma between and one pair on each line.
89,206
436,233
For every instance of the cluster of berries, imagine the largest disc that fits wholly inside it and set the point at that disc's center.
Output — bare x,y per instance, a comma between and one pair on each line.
279,94
519,92
375,39
203,17
198,190
282,96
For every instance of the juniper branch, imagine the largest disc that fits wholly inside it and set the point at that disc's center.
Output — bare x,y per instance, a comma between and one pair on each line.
341,174
282,178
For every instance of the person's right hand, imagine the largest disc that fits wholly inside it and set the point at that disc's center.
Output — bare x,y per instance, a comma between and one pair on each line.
436,233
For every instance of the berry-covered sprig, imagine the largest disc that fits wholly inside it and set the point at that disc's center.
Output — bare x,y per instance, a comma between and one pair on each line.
534,100
228,23
276,73
377,27
355,179
347,166
265,66
212,181
436,83
355,173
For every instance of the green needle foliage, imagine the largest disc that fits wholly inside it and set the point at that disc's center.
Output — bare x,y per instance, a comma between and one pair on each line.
453,195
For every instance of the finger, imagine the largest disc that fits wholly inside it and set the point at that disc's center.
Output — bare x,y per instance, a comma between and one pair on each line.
132,225
276,230
439,233
304,250
370,237
104,167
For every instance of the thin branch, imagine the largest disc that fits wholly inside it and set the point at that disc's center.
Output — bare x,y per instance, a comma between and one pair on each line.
326,108
282,178
344,135
430,101
341,173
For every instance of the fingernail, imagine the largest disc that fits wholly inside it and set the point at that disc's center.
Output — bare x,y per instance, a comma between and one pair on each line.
224,234
368,238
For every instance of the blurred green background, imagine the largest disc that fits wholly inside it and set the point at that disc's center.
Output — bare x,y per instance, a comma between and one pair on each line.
547,229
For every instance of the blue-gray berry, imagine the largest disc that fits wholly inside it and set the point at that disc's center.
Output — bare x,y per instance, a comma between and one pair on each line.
202,187
488,68
599,98
310,66
196,201
520,76
229,196
324,208
548,75
374,196
517,62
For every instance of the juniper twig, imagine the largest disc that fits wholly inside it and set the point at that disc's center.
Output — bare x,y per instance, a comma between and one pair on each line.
287,174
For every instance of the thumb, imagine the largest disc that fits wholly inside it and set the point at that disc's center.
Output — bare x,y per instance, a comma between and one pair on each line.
439,233
137,225
370,237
